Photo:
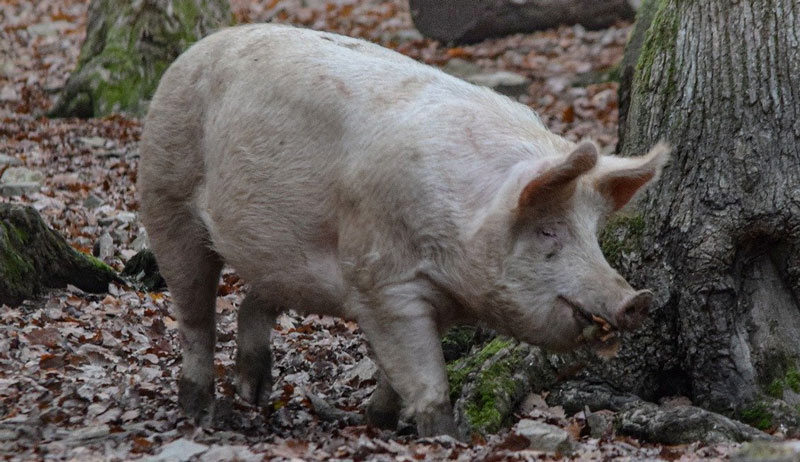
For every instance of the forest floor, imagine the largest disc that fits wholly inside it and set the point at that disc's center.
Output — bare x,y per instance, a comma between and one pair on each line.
93,377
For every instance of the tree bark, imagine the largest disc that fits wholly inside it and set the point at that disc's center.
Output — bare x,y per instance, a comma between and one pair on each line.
720,232
128,45
34,257
475,20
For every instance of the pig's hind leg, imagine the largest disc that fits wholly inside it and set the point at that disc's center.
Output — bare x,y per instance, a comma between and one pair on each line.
191,270
253,355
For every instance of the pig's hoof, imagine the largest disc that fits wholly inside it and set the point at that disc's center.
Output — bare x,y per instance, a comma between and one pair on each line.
254,378
196,401
435,424
382,418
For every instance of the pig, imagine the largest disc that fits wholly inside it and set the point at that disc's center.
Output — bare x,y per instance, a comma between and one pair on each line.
340,178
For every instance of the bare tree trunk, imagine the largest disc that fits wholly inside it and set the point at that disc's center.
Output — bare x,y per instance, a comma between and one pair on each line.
474,20
719,235
128,45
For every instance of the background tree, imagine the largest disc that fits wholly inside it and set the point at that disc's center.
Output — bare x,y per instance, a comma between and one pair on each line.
717,238
474,20
128,45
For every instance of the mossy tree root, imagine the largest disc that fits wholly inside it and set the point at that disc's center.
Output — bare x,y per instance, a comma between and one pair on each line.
34,257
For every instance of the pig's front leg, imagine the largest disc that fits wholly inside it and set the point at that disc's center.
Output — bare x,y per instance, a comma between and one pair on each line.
404,336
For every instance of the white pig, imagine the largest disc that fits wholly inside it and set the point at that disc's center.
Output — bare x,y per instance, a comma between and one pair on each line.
341,178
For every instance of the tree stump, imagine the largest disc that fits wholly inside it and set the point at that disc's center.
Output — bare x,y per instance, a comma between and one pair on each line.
475,20
128,45
34,257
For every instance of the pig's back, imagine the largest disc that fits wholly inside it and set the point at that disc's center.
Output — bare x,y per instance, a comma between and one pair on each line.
273,134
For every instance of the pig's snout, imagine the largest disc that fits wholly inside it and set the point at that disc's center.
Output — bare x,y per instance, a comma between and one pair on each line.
634,310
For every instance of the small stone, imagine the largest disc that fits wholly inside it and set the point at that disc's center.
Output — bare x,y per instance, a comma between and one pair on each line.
545,437
761,451
49,28
601,424
461,68
92,201
93,141
17,175
180,450
8,160
18,189
507,83
402,36
88,433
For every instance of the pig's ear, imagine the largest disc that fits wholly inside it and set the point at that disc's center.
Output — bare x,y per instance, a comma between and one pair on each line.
558,182
618,178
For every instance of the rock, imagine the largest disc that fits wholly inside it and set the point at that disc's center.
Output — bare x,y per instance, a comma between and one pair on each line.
507,83
461,68
8,160
545,437
787,451
92,201
600,423
180,450
93,141
20,180
683,424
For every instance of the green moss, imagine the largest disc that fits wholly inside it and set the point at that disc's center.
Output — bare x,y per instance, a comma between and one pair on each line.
459,370
493,383
758,416
13,267
775,388
660,41
622,234
793,380
97,263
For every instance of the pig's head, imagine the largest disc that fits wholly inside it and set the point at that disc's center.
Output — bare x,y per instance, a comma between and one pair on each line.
555,288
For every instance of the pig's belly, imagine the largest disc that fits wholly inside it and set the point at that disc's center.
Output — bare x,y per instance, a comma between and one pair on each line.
280,246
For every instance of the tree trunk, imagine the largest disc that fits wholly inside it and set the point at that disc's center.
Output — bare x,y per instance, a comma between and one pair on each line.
719,234
718,237
475,20
34,257
128,45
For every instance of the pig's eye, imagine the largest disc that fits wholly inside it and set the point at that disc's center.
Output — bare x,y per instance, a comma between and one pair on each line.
547,233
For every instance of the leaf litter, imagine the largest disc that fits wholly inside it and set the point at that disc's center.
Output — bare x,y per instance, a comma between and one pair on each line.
93,377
